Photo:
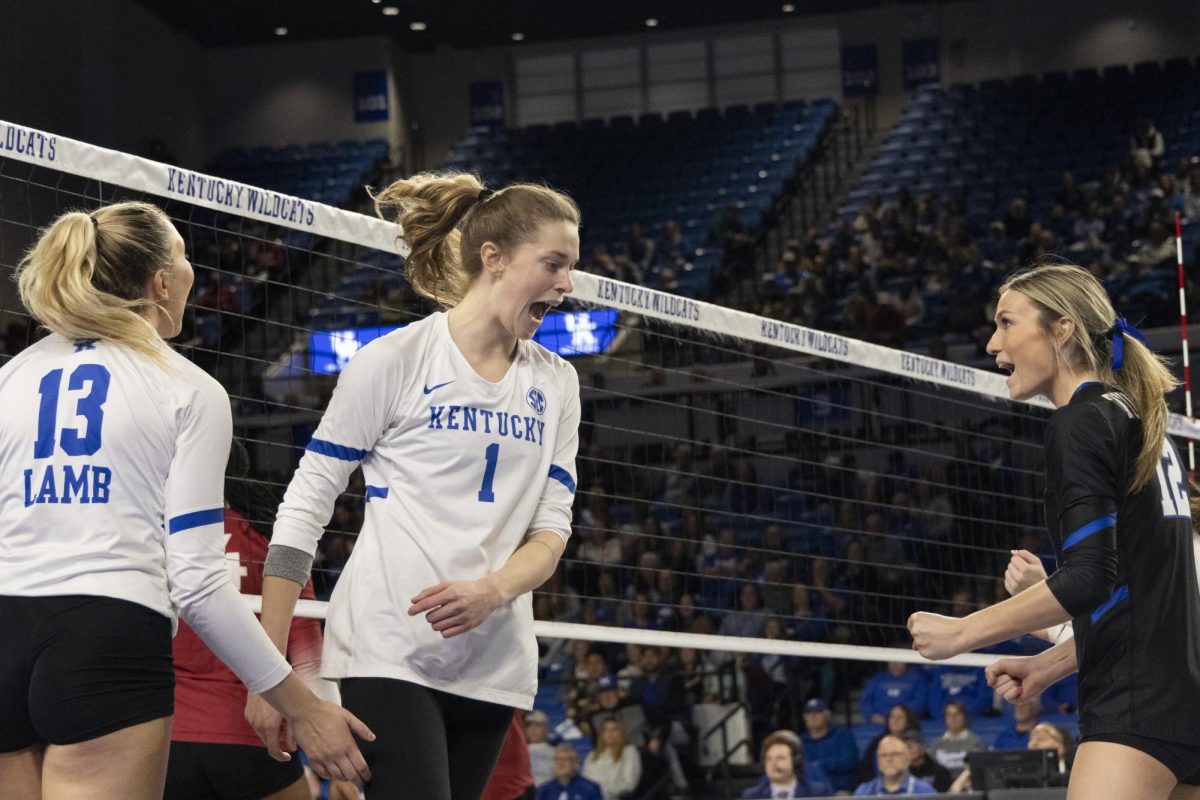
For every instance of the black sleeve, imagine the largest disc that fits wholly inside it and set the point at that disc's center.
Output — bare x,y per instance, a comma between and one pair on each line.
1084,472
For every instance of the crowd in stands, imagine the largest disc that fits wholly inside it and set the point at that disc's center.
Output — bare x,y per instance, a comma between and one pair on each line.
630,720
912,266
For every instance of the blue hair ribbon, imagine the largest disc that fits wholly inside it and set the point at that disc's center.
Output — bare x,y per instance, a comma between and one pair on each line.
1118,332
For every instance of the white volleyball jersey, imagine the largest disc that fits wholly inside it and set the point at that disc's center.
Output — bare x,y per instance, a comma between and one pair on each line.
459,471
112,483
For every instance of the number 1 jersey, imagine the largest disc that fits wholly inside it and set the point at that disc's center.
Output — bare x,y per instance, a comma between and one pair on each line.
459,471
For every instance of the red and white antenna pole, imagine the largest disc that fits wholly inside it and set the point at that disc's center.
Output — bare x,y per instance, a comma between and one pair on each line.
1187,372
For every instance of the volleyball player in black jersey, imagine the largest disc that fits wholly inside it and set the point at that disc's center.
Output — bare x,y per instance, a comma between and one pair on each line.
1118,513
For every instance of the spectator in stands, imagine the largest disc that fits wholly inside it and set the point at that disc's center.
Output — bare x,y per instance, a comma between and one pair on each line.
737,250
1146,144
899,719
810,620
674,244
750,619
1068,195
661,692
581,701
1158,246
899,684
1017,222
1025,717
611,704
568,784
894,775
700,681
998,251
640,248
541,752
1047,736
614,765
965,684
911,306
951,748
680,485
829,745
784,774
924,767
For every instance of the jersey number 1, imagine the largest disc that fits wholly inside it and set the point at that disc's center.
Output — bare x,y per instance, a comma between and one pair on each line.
1170,483
491,456
90,407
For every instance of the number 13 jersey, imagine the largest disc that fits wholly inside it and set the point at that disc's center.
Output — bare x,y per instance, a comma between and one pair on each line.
459,471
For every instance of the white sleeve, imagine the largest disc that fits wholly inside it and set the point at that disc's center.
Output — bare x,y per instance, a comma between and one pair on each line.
553,512
195,534
359,412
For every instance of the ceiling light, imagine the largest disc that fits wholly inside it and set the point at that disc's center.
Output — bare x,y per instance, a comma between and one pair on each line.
281,31
651,23
788,8
417,26
518,37
390,11
376,2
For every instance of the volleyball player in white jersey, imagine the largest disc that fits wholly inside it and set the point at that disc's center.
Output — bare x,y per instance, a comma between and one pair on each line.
112,459
466,432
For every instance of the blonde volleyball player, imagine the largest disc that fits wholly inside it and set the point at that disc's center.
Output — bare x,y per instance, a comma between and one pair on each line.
467,433
112,451
1120,520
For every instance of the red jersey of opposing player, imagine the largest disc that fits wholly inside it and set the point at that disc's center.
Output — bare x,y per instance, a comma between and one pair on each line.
513,774
209,699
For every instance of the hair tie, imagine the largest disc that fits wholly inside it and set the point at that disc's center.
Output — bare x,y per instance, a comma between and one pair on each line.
1117,333
95,223
484,194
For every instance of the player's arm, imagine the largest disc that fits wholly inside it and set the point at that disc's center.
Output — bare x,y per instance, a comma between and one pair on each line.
1025,570
454,607
1082,458
359,411
1024,678
304,652
200,587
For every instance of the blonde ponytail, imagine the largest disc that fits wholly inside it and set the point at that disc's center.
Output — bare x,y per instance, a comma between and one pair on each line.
1145,378
445,218
85,277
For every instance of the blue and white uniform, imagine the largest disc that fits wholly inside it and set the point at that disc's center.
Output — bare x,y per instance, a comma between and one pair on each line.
459,472
113,471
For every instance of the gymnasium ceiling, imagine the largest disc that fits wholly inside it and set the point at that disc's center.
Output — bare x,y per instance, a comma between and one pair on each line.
465,24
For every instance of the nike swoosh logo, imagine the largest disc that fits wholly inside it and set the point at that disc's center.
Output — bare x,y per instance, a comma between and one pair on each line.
435,387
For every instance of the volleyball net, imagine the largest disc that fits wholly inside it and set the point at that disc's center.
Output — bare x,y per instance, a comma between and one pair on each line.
744,485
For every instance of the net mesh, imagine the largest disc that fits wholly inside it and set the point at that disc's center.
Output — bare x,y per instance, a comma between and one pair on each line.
785,491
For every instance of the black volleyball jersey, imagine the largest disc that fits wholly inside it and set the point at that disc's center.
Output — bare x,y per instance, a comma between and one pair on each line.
1127,570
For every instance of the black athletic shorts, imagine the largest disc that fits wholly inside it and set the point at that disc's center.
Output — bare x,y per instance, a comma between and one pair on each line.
77,667
199,771
1181,759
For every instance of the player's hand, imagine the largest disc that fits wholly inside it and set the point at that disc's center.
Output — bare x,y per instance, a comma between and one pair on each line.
326,732
271,727
343,790
936,636
454,607
1024,570
1018,678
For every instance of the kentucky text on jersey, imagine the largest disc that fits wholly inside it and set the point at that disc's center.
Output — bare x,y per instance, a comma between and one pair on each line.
480,420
